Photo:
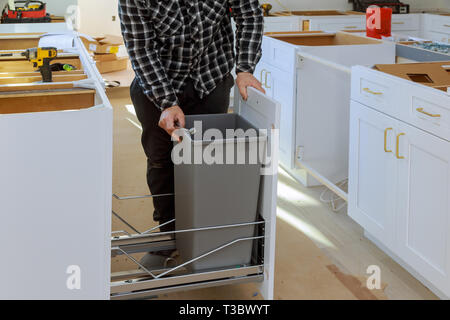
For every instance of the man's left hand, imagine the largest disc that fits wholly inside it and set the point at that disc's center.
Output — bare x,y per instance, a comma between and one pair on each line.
245,80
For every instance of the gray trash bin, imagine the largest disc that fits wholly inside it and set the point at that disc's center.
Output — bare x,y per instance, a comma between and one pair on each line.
218,194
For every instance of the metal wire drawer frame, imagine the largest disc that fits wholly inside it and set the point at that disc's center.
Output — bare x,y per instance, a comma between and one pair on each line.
144,283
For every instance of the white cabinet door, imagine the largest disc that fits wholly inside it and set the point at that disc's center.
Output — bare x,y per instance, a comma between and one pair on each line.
280,86
262,73
424,205
372,172
264,113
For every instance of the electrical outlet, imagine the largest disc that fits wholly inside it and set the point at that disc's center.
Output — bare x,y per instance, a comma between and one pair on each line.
300,153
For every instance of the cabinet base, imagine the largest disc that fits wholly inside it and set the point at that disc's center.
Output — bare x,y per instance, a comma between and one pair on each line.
404,265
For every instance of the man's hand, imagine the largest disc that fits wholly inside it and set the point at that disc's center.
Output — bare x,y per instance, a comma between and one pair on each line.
171,119
245,80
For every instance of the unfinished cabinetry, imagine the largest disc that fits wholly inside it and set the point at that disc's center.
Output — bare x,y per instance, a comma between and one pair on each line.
55,180
309,74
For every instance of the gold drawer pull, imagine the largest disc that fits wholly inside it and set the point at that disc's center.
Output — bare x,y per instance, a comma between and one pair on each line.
421,110
265,80
350,27
385,140
261,75
372,92
398,23
398,146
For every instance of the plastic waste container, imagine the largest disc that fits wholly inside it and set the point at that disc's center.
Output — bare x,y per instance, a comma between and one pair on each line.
218,194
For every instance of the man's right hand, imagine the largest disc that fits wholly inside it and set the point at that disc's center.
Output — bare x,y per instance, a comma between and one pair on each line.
171,119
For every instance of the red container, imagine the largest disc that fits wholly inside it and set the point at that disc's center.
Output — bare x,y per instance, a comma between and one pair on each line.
379,22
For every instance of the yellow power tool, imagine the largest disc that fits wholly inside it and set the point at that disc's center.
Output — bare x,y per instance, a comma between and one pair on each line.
41,58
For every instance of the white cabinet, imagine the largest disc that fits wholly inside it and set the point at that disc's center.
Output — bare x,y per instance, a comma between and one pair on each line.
402,24
55,190
279,86
315,95
406,24
282,24
436,28
399,187
334,24
423,207
372,172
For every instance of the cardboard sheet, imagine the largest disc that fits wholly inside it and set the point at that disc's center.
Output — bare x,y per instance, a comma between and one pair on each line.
433,74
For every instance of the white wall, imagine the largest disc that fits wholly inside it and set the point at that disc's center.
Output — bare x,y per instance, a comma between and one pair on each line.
97,20
445,4
55,7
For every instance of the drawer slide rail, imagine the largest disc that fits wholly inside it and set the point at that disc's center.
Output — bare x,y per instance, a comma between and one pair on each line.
142,283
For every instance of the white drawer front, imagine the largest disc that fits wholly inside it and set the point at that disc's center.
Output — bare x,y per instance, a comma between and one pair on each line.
440,25
372,91
423,107
333,27
281,27
405,22
279,54
430,113
283,56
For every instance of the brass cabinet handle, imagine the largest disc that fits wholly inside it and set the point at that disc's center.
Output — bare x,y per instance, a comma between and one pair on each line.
265,81
372,92
385,140
350,27
398,23
422,110
398,146
261,75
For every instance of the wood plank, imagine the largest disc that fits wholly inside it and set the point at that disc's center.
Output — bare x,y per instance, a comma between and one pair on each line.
26,66
43,101
35,87
32,34
31,74
38,78
19,44
46,93
18,57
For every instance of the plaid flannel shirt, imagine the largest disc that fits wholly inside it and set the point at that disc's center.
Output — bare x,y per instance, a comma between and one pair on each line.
170,41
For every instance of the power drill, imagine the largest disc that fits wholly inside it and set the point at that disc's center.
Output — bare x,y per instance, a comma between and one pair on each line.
41,58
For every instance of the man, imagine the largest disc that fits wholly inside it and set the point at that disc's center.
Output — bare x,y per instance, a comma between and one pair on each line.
182,52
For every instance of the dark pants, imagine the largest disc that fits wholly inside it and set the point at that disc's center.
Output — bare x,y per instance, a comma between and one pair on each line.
158,144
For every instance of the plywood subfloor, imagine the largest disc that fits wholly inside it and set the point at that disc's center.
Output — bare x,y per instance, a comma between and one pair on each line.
320,254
